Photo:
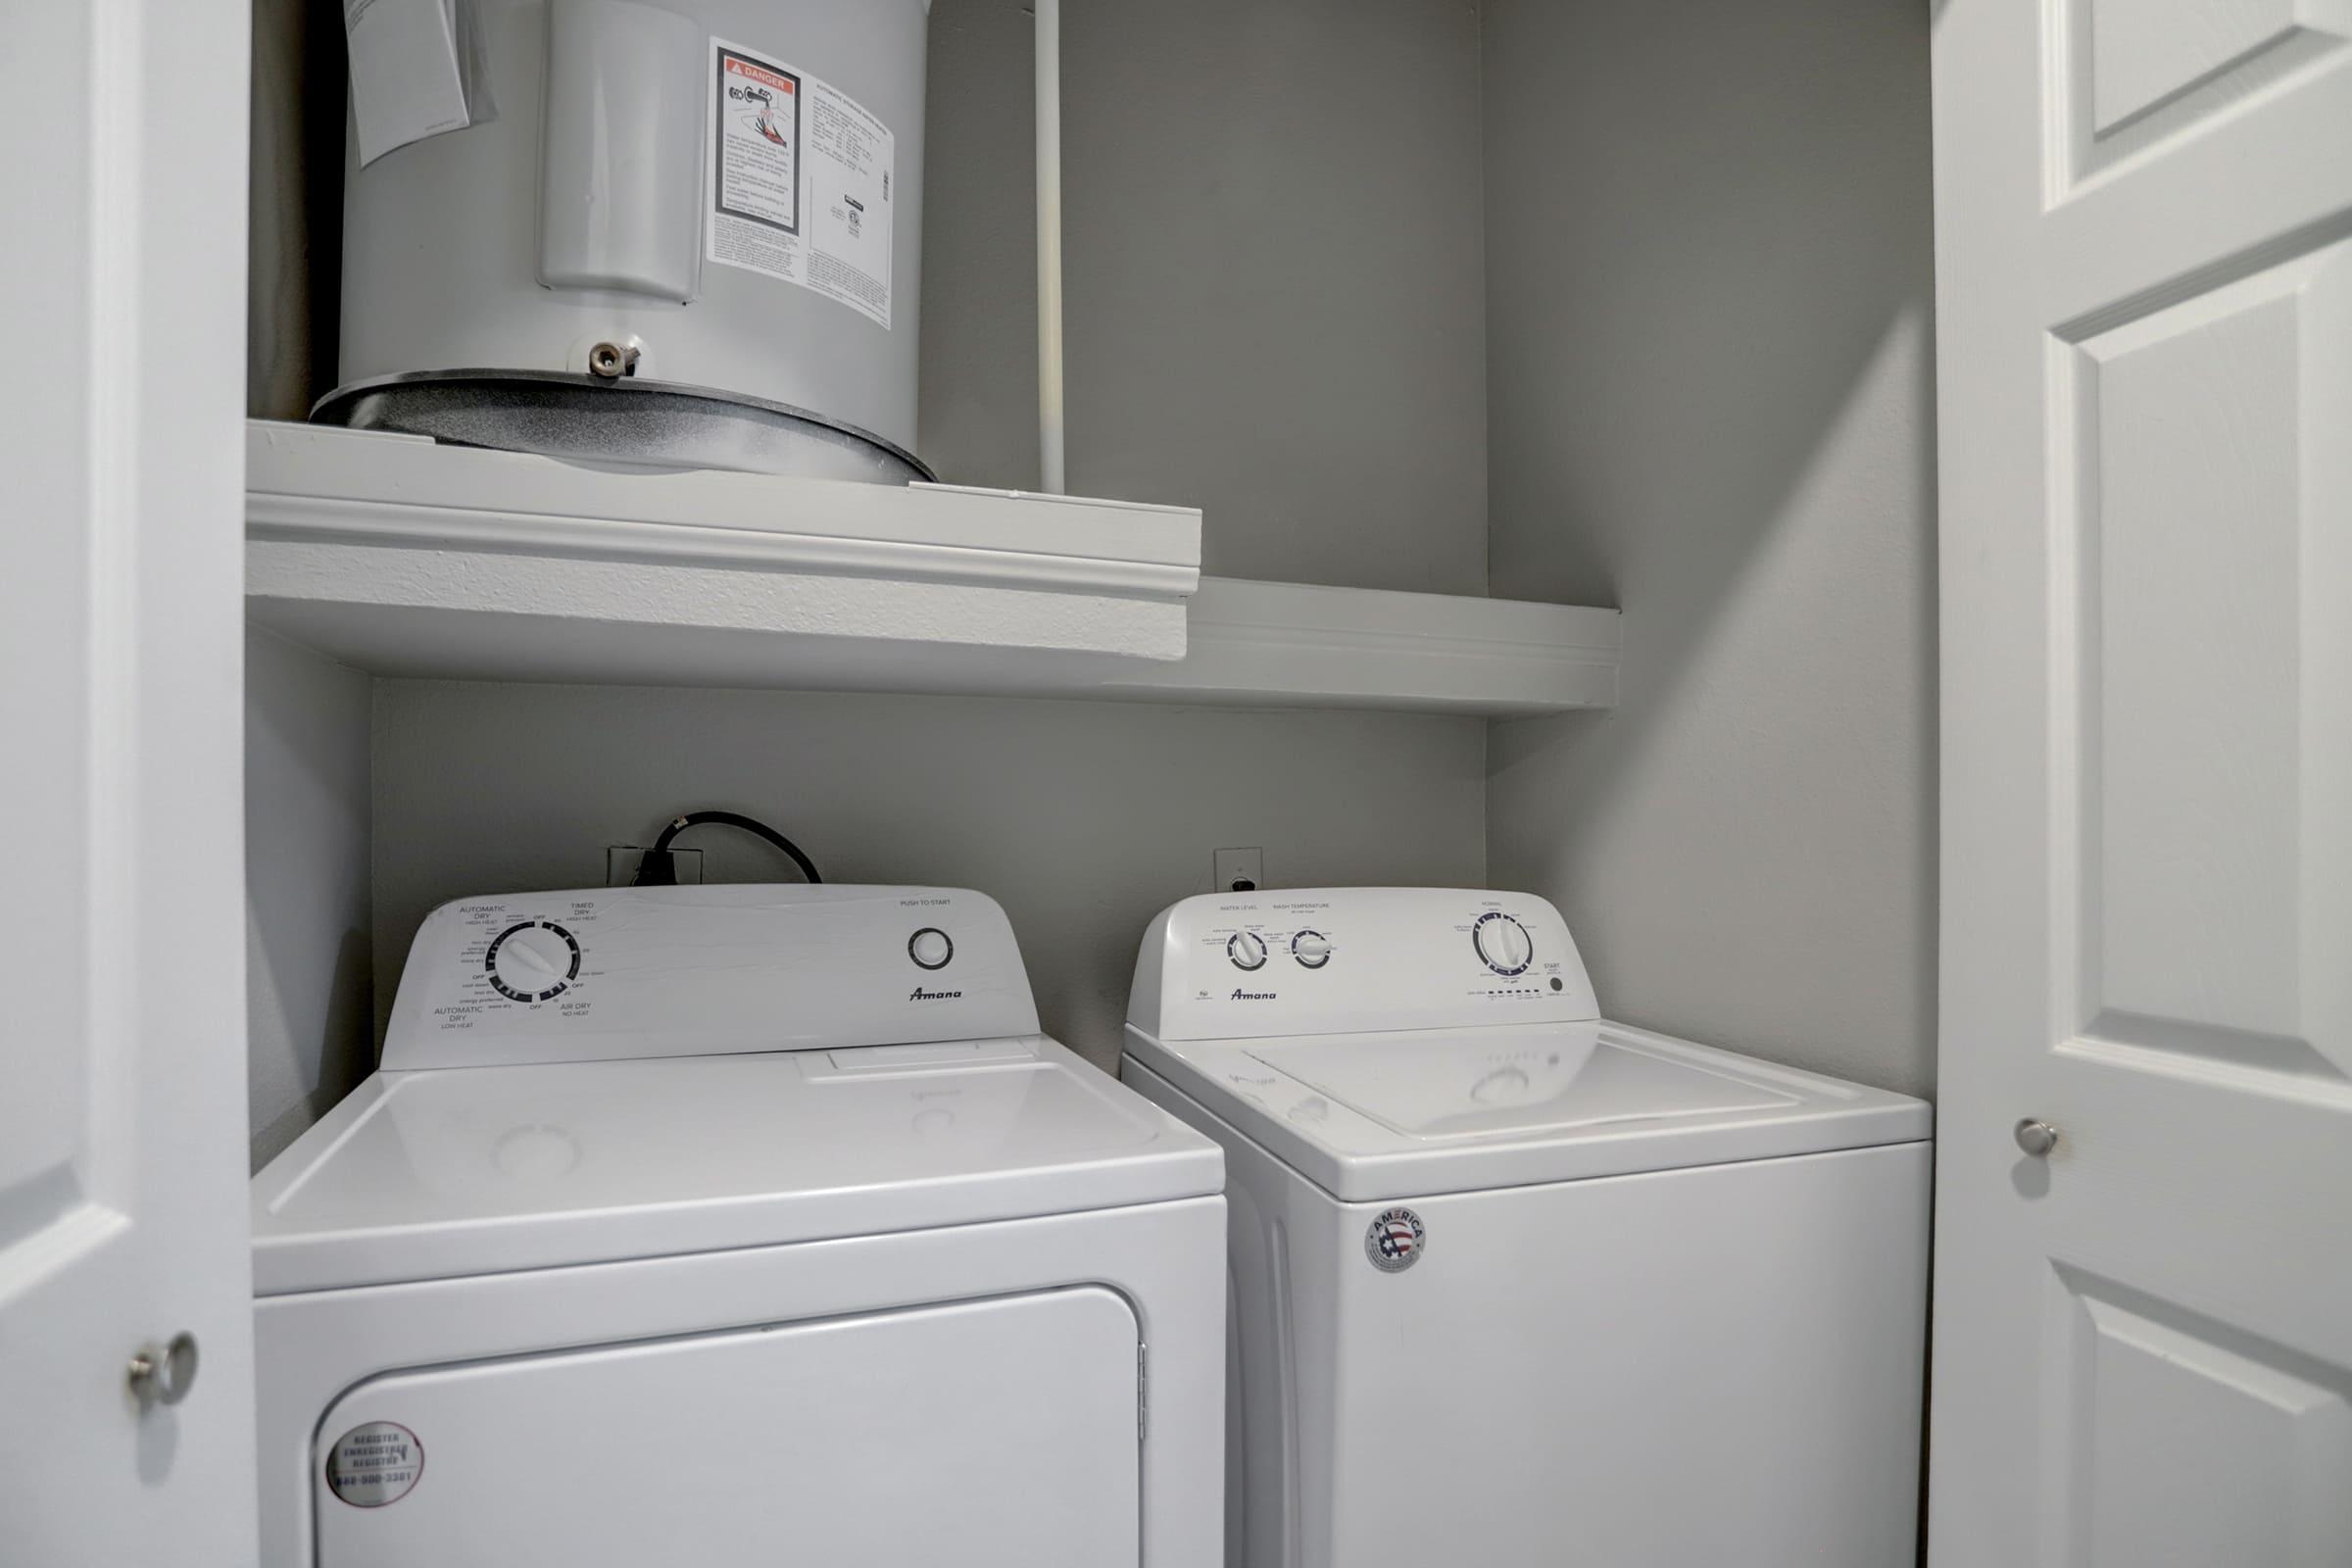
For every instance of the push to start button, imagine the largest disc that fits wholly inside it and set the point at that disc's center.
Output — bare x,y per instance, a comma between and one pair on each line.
930,948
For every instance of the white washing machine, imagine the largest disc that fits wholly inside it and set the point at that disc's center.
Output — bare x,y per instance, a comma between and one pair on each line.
1514,1286
736,1225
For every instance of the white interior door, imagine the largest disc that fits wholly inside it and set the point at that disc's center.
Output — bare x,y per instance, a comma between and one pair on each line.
122,963
2144,1341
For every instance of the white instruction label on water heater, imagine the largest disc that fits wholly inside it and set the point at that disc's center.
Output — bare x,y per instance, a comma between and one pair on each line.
801,182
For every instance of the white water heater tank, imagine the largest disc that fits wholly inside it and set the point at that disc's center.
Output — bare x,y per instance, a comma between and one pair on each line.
691,237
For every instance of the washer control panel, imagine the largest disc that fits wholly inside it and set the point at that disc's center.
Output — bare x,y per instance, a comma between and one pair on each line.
1340,961
602,973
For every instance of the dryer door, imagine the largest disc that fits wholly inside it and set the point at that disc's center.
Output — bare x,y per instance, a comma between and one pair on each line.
986,1433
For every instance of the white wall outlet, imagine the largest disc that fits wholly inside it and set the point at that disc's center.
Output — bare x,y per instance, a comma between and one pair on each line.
1238,871
622,859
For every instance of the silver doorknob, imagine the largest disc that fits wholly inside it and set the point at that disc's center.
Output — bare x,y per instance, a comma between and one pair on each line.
162,1374
2036,1137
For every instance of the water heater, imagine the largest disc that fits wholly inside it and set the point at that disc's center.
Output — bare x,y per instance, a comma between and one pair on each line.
688,234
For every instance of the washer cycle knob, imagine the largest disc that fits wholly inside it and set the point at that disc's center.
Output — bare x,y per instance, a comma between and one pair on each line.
1503,942
1247,950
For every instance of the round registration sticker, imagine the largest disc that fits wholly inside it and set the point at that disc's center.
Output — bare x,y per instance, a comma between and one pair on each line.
375,1464
1395,1240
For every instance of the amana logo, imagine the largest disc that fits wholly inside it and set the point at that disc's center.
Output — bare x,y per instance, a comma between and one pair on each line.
918,993
1253,996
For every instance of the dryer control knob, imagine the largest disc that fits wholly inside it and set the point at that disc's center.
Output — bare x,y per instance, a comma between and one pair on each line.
534,961
1247,950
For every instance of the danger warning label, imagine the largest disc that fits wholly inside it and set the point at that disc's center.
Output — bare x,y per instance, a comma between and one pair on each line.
758,142
801,182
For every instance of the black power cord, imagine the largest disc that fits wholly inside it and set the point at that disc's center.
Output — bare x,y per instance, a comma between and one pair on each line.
656,870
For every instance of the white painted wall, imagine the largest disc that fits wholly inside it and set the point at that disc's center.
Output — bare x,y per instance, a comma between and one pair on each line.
1276,295
1708,277
306,909
1083,819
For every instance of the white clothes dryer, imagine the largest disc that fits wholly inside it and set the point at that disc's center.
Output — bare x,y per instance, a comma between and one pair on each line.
733,1226
1519,1287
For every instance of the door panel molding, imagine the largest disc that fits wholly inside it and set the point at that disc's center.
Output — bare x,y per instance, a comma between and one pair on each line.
2144,373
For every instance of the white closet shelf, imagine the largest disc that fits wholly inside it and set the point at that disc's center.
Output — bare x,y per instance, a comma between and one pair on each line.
405,557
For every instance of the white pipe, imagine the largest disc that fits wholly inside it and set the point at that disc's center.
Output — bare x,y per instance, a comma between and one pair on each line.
1052,468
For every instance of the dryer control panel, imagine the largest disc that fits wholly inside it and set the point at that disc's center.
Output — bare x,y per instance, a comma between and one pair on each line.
603,973
1345,961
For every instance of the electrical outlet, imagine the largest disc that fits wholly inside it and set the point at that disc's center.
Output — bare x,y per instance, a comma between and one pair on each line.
622,859
1238,871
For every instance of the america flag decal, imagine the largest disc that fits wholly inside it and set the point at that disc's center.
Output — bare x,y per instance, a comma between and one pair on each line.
1395,1241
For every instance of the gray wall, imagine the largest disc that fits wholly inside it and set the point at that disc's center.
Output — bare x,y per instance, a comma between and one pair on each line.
1083,819
309,1020
1275,282
1710,252
1703,240
1276,312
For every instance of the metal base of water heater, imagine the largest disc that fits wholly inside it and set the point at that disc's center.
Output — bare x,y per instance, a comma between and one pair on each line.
623,423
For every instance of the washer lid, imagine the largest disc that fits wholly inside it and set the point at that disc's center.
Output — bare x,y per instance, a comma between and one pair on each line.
1374,1117
435,1173
1511,1083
